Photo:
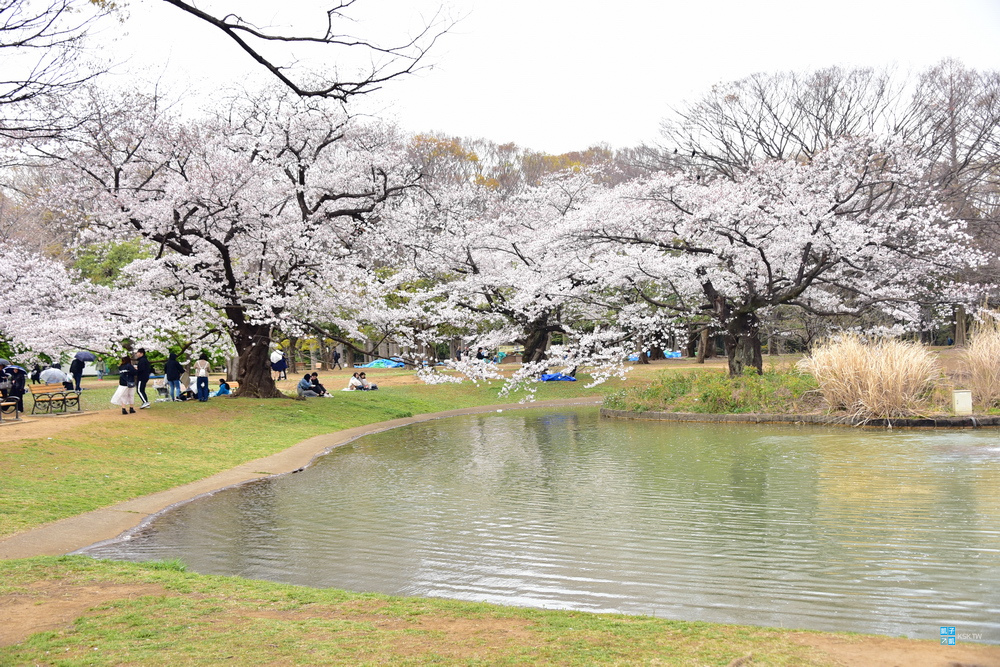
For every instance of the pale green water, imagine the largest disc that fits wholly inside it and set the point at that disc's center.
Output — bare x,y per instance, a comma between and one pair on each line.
839,529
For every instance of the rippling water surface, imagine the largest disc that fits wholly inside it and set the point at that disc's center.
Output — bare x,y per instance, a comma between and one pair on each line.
835,529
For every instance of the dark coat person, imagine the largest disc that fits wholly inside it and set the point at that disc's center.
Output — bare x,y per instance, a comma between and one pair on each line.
143,369
76,372
173,370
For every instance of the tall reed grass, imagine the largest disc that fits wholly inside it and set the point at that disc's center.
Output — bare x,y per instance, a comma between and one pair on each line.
874,379
980,360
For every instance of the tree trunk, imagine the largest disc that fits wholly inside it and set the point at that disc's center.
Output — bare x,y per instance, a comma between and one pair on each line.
252,343
293,361
703,343
232,369
691,348
743,348
535,343
960,328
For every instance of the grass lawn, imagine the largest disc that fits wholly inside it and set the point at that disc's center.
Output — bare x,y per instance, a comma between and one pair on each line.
156,614
77,611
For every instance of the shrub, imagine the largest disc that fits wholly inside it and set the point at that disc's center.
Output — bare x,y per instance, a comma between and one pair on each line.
981,360
874,379
712,392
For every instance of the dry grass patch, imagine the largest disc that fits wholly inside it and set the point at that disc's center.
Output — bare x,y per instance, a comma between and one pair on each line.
873,379
980,361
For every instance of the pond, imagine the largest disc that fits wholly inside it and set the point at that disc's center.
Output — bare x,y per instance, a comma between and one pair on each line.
888,532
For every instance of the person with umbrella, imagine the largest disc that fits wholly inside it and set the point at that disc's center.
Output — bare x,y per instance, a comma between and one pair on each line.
4,378
55,375
77,365
17,377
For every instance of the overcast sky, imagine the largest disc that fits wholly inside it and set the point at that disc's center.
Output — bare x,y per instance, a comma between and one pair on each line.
560,75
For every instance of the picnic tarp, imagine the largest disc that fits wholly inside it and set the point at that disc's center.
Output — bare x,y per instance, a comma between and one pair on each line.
382,363
557,377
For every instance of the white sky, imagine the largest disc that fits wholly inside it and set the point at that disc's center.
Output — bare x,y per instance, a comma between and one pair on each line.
561,75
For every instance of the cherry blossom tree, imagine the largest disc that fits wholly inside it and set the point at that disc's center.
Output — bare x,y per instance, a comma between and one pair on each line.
853,229
249,212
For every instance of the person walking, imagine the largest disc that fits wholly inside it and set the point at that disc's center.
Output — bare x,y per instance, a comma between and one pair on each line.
125,393
76,372
36,374
336,359
172,372
143,369
201,370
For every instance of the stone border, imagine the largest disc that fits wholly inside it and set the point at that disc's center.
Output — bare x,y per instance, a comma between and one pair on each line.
76,532
824,420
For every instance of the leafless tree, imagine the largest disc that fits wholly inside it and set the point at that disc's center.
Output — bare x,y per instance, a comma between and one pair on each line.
779,116
385,62
40,42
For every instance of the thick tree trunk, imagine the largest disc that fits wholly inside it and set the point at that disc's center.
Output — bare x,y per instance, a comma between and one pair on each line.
743,348
960,327
252,343
536,341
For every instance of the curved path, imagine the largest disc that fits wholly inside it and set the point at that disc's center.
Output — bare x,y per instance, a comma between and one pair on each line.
67,535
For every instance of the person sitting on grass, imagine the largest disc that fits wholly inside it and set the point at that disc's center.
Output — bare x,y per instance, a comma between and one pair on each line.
305,387
317,387
365,384
354,383
223,389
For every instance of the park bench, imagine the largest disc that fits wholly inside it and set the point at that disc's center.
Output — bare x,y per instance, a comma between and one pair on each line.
53,398
8,406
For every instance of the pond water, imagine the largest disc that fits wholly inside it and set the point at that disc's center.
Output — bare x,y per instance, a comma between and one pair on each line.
889,532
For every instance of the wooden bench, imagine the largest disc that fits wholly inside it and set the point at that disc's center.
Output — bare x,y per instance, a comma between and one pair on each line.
53,398
8,406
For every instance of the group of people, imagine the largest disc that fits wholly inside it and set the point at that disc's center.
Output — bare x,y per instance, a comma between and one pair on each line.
134,374
14,379
359,382
309,386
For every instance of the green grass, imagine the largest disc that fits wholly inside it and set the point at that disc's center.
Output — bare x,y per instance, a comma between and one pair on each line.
164,616
776,391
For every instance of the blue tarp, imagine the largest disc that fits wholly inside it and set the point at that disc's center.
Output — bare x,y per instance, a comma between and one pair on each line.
382,363
557,377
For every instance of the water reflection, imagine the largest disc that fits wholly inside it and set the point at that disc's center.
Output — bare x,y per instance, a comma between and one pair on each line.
872,531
